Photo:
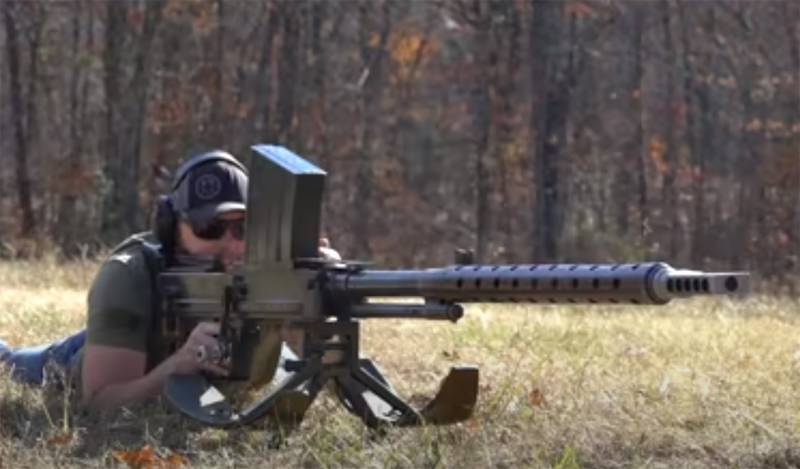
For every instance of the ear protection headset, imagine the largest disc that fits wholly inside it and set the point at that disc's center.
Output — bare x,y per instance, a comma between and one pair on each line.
166,218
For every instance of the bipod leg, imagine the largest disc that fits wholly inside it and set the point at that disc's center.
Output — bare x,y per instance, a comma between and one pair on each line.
287,402
367,394
290,408
195,397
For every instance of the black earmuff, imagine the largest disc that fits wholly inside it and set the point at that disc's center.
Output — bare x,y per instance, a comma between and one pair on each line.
165,217
164,224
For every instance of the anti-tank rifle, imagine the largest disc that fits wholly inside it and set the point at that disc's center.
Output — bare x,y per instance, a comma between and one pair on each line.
284,281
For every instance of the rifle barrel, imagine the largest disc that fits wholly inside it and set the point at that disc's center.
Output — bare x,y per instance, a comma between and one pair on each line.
643,283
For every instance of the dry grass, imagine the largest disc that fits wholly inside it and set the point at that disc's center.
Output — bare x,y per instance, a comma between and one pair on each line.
709,383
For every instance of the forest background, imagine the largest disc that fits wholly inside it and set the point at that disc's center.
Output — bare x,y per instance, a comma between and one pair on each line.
526,130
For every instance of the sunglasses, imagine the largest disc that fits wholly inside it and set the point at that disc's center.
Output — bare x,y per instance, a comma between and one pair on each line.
217,228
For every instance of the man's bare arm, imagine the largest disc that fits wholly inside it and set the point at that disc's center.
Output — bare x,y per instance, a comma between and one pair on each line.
115,376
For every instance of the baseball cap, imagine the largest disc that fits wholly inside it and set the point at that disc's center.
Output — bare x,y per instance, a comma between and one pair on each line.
209,189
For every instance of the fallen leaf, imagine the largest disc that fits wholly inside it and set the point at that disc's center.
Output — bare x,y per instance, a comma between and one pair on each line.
147,458
473,425
536,398
177,460
59,439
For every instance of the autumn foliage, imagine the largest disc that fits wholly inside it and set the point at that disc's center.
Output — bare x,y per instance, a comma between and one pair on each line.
525,130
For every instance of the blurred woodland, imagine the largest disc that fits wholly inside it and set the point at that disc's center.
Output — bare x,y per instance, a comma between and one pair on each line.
527,130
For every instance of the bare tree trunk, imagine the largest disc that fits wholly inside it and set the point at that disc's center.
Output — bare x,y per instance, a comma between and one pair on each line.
551,75
288,71
126,101
68,220
491,110
669,196
371,84
319,69
637,143
626,192
699,134
507,71
481,110
218,122
749,178
261,131
792,24
19,114
116,30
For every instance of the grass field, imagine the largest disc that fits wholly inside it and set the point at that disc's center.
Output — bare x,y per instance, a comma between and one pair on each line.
711,383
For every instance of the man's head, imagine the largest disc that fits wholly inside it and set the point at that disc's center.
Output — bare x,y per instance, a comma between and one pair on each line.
209,197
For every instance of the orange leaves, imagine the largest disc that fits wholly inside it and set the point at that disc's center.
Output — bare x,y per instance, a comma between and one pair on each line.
148,458
579,8
202,14
374,40
408,49
656,150
172,111
685,172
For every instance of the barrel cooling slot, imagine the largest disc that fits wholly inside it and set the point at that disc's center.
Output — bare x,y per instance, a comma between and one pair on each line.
563,283
690,285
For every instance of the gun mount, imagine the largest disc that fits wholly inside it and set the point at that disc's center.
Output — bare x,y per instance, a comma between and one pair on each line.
283,281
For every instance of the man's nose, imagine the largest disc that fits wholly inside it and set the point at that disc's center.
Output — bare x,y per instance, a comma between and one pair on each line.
231,245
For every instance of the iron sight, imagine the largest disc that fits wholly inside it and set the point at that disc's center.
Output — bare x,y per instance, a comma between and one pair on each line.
284,283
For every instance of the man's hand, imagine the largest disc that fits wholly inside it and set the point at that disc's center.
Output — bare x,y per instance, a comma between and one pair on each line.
199,351
326,252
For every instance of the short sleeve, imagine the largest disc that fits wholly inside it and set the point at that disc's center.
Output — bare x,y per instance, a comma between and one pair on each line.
120,303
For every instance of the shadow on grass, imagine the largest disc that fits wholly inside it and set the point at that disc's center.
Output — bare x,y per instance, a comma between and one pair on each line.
48,417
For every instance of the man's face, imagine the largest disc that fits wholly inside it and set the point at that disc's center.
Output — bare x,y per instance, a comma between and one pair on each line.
227,248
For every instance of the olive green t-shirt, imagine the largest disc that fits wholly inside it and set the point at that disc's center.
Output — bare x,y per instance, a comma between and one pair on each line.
121,304
121,300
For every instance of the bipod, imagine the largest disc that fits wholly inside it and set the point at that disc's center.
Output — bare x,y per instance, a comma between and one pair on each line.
332,352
